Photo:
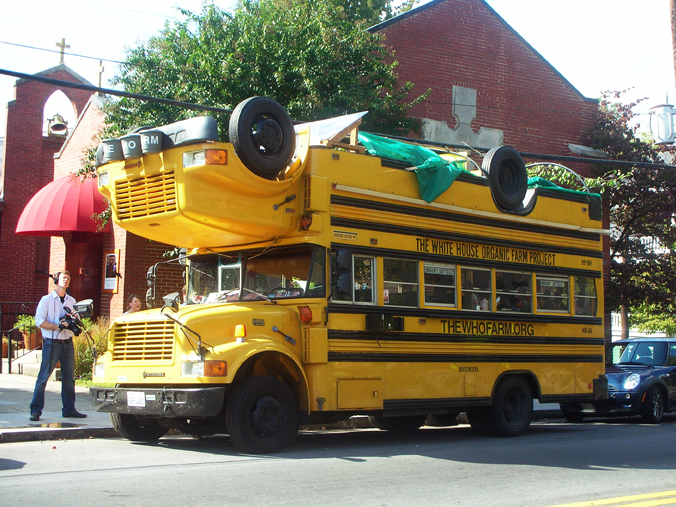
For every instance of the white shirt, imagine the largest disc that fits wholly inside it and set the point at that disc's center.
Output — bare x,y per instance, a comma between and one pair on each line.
50,309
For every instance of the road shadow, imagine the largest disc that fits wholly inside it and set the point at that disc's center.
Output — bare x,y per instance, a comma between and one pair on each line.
580,446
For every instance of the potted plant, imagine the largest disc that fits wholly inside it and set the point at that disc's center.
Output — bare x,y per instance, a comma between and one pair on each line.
5,346
32,337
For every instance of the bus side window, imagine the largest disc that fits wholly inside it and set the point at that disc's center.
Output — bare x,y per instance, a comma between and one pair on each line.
476,289
552,294
585,296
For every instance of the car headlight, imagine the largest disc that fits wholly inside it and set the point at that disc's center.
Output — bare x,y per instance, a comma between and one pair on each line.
632,381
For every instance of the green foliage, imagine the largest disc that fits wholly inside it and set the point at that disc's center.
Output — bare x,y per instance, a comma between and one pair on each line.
84,354
652,319
642,205
25,323
314,58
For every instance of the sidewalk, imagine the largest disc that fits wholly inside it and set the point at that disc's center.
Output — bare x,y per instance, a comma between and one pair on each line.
16,392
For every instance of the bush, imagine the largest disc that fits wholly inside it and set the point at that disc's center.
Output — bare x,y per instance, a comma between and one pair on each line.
25,323
84,356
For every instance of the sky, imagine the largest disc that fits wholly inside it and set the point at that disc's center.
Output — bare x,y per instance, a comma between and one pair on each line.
596,45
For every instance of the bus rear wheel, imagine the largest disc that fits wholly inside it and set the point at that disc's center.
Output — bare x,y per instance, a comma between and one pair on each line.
137,429
261,415
512,408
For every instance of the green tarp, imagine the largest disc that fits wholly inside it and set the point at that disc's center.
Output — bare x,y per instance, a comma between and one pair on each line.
435,174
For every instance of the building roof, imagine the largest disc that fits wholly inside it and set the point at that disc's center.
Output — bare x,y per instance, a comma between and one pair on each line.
428,5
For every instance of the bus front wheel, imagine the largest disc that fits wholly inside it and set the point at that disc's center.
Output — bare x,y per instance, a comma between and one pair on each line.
261,415
512,408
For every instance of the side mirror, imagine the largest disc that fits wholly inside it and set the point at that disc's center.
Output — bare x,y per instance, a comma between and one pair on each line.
150,276
150,298
171,301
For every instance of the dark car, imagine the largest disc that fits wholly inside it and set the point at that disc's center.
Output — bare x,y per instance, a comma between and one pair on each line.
641,381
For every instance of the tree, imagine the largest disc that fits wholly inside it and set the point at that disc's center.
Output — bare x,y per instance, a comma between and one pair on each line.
642,209
314,58
642,204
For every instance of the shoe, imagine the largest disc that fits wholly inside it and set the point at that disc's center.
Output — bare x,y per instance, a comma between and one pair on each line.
76,414
35,416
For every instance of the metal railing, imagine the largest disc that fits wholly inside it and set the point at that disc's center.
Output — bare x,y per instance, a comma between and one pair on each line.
22,338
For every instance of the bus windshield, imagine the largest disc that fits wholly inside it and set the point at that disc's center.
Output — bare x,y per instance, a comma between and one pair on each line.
277,273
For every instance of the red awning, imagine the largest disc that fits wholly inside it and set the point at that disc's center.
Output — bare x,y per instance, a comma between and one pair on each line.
64,205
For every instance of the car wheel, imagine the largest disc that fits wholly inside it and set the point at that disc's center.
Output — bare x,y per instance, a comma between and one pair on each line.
652,409
137,429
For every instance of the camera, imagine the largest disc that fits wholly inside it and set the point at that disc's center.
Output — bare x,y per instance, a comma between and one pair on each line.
73,324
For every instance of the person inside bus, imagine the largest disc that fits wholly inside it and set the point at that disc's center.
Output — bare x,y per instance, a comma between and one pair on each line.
133,303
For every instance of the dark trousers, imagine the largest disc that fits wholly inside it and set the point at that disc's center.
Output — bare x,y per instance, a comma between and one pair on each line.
54,351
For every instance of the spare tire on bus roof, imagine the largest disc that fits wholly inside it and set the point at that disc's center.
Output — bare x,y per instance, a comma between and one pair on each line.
507,177
263,136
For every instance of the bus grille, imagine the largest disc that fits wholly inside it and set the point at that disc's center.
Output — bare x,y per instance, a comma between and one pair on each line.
142,197
143,341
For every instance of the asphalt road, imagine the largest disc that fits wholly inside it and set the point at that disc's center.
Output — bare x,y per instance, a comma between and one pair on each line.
554,463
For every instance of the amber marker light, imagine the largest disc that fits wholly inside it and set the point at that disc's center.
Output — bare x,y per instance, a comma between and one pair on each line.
240,331
305,314
215,369
219,157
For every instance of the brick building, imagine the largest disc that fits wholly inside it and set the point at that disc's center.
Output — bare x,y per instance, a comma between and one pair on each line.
489,87
33,161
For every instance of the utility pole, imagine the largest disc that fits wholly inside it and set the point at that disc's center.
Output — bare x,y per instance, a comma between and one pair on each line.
672,11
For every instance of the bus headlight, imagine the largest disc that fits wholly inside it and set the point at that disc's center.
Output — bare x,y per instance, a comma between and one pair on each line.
103,178
204,369
205,157
99,369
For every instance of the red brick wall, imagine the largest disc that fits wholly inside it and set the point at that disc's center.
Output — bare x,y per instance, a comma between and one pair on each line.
29,165
465,43
137,254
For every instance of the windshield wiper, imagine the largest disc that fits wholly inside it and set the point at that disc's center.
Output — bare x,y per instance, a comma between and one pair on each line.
261,295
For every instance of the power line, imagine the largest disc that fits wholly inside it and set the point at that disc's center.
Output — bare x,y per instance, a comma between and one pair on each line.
188,105
59,51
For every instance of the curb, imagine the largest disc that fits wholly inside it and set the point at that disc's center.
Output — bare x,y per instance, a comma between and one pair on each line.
21,435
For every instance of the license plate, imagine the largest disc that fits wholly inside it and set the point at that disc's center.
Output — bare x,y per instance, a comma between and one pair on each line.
136,399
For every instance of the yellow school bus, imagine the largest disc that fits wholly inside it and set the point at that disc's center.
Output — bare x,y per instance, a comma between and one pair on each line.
333,273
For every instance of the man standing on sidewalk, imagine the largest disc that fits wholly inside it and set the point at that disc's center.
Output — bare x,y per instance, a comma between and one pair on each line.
57,345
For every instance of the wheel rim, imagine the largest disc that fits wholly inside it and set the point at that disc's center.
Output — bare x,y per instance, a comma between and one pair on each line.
267,416
514,407
267,134
508,179
657,405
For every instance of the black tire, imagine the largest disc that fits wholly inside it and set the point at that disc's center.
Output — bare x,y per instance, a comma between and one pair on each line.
442,419
138,429
262,416
263,136
507,177
652,409
512,408
398,424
